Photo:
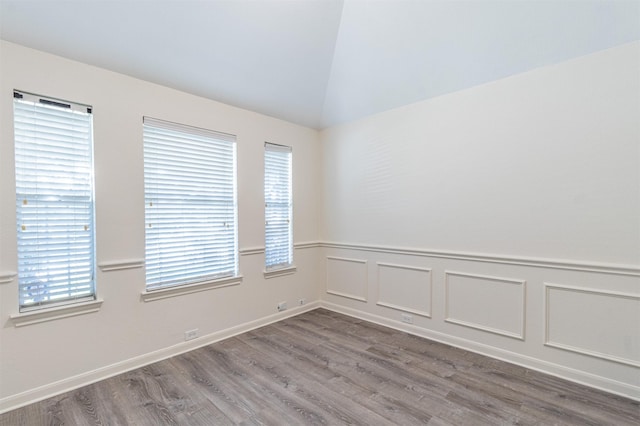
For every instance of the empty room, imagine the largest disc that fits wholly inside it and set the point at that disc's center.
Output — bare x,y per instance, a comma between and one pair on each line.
283,212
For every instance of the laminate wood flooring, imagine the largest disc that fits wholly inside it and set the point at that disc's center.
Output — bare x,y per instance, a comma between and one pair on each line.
329,369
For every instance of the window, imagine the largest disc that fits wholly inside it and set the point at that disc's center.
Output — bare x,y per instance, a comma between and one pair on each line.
190,204
54,200
278,206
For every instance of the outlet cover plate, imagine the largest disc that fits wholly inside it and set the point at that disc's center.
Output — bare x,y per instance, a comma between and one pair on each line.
408,318
190,334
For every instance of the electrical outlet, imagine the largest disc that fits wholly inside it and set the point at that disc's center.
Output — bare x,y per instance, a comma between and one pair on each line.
191,334
282,306
406,318
302,302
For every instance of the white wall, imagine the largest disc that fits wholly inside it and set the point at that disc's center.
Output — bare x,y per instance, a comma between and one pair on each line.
505,218
127,331
541,164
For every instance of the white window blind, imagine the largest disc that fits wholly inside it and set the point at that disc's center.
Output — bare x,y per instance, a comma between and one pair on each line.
278,206
54,195
190,210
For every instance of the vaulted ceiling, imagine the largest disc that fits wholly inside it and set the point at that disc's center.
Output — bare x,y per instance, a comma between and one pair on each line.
320,62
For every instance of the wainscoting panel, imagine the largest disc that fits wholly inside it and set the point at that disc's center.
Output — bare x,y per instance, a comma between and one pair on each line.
406,288
588,322
501,306
347,278
492,304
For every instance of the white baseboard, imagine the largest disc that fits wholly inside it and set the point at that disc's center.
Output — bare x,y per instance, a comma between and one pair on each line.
43,392
573,375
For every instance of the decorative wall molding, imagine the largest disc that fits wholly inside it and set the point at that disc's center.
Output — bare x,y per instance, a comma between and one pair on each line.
548,288
617,269
402,307
345,292
118,265
250,251
520,335
569,265
307,245
514,310
7,276
347,259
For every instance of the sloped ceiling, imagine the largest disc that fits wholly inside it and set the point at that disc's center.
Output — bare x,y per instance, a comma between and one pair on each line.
320,62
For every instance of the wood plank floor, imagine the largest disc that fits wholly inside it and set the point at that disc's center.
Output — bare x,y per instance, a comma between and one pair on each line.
325,368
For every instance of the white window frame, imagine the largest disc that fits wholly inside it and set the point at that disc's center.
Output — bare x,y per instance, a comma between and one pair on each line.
184,211
278,194
55,208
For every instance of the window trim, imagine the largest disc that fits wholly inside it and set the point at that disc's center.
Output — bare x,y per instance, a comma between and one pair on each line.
179,290
55,313
274,273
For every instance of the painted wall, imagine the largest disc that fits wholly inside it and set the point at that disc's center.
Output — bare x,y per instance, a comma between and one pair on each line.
542,164
44,358
504,219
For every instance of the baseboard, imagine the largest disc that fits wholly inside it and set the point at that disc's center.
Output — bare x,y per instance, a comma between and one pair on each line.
573,375
43,392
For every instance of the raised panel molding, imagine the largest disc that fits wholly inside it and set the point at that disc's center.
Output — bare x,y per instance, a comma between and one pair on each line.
521,317
347,277
609,322
486,303
407,291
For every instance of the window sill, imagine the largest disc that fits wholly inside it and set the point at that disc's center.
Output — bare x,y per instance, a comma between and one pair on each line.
52,314
164,293
287,270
